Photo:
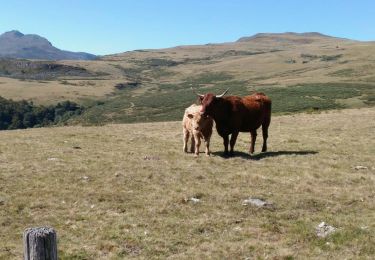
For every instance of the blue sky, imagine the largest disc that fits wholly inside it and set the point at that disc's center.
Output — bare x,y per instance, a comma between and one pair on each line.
112,26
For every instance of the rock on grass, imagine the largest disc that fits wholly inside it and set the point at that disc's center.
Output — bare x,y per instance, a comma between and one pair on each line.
323,230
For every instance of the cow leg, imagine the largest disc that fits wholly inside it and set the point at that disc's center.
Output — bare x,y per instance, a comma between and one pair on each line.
253,139
226,142
233,140
207,143
265,126
265,136
197,144
185,139
192,146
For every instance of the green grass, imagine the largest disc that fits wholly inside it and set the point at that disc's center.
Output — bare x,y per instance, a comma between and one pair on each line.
330,57
208,78
345,73
311,97
41,70
166,102
322,57
133,72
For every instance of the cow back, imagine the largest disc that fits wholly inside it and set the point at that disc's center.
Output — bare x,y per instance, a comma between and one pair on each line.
244,113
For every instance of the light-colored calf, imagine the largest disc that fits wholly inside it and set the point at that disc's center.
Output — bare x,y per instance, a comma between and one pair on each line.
197,127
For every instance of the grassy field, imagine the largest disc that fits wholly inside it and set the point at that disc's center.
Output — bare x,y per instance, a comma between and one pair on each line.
124,190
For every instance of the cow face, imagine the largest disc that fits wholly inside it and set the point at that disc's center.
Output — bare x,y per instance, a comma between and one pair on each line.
208,102
197,121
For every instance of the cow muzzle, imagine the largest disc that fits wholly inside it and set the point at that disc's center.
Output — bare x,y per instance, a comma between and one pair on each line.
203,112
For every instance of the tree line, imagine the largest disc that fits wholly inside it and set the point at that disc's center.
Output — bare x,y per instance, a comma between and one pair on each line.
24,114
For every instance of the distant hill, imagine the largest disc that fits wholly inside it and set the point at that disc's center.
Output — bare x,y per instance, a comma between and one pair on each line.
14,44
288,37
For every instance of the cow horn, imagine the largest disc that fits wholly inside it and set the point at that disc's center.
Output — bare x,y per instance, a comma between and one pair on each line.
222,95
199,95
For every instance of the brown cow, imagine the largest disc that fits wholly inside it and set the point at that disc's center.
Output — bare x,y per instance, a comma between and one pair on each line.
233,114
198,127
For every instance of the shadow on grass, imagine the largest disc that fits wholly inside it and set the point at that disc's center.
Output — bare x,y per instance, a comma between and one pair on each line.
260,156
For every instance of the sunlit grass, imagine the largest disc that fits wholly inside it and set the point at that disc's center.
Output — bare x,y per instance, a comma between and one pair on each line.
120,191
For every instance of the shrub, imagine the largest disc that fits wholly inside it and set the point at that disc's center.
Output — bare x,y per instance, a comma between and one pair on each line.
24,114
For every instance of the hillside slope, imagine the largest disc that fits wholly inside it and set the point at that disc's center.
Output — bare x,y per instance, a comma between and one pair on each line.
306,71
264,59
121,191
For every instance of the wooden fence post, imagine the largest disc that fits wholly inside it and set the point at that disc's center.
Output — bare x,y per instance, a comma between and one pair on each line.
39,244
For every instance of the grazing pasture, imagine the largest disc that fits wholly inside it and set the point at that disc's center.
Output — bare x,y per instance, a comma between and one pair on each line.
128,190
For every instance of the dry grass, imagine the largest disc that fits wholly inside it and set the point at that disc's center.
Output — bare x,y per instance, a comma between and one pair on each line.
122,191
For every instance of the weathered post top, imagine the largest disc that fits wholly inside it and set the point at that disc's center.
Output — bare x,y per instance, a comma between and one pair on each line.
39,243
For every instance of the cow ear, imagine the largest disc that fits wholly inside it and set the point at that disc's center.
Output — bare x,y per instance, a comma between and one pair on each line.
200,98
190,116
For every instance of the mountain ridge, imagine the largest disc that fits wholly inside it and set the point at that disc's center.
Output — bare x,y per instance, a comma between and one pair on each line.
14,44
